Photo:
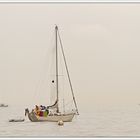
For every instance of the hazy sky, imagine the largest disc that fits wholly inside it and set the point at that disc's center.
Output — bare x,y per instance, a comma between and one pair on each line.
101,43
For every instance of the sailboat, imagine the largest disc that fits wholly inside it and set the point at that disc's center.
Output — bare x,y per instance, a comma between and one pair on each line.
53,113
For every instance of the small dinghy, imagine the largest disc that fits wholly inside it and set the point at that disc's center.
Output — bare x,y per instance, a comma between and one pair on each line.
3,105
60,123
16,120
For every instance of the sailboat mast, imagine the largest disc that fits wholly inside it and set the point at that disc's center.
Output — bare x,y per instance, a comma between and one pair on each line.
56,29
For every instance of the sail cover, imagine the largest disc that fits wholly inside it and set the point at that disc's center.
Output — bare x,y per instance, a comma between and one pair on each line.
55,105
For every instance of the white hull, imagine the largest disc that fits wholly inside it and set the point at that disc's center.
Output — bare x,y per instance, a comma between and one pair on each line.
53,118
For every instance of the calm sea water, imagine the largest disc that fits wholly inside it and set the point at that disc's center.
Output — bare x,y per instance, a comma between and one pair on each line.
98,123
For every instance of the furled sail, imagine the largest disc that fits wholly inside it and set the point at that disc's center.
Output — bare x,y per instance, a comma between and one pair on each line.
55,105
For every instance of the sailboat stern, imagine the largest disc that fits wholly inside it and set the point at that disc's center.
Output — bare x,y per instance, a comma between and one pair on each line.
32,117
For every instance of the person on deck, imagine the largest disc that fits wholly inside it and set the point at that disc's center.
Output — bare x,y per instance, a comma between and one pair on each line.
37,110
42,107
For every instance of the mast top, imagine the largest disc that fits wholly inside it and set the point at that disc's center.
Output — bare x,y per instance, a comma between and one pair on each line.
56,27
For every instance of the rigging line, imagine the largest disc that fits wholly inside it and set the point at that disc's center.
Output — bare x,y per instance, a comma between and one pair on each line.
38,85
52,74
68,72
61,76
41,80
71,101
